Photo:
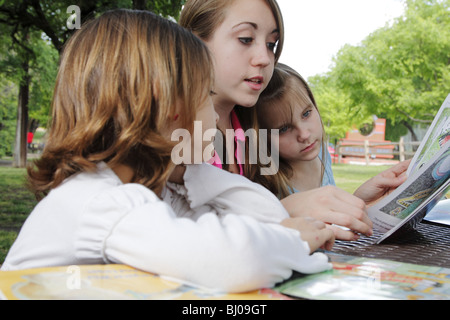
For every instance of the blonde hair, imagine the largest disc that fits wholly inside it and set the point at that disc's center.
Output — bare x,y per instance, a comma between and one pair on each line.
120,79
286,85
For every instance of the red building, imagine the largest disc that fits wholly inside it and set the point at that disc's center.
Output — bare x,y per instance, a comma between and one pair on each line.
370,146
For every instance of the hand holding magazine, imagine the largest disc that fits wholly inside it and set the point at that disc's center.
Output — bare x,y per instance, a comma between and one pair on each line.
428,181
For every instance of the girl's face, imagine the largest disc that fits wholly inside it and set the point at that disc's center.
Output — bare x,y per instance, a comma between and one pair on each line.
300,135
243,49
207,116
197,144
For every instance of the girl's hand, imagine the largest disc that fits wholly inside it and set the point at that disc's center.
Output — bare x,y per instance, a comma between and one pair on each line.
312,231
334,207
384,183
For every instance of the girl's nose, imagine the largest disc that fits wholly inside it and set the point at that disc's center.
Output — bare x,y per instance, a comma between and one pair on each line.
262,56
303,134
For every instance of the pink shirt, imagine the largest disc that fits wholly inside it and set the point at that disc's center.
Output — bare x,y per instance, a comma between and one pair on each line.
239,139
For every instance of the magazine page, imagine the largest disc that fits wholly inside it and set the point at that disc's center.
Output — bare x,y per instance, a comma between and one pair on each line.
107,282
440,213
354,278
426,186
436,137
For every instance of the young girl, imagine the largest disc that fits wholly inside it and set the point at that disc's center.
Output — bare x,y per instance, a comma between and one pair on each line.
246,38
288,105
127,80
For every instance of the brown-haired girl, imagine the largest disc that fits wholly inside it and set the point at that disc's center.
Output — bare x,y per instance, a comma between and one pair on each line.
246,38
113,193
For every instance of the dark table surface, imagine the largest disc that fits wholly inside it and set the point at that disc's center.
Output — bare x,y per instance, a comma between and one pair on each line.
429,245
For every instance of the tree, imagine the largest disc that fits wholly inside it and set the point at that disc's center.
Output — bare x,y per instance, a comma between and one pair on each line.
401,71
48,19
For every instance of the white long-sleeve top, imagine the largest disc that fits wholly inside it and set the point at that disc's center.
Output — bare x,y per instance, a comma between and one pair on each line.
218,231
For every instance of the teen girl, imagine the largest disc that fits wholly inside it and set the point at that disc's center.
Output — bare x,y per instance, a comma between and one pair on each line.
246,38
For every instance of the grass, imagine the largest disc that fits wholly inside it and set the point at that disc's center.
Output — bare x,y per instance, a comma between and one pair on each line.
16,202
350,177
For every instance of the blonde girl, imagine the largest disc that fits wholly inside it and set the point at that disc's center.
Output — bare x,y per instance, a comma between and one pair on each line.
288,106
112,192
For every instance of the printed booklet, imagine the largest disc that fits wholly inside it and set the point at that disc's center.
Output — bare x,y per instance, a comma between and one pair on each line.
108,282
428,182
354,278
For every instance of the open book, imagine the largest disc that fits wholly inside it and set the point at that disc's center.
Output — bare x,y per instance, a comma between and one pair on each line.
428,182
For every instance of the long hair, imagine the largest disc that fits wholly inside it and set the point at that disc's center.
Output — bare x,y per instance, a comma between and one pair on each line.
285,85
120,80
203,17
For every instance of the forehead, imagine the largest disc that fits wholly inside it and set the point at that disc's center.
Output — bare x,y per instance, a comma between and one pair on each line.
252,13
294,100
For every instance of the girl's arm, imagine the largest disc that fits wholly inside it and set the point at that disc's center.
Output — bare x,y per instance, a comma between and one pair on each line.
130,225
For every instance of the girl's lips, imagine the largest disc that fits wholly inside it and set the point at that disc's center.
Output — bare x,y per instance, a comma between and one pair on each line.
255,83
309,148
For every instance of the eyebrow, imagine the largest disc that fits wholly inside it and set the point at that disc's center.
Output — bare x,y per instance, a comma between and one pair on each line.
255,26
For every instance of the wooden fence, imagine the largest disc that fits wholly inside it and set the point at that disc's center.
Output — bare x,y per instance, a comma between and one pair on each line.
369,150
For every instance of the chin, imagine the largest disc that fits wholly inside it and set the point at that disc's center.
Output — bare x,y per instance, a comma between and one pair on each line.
248,103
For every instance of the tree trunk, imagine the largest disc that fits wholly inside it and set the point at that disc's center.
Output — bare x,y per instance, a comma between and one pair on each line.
413,134
139,5
20,148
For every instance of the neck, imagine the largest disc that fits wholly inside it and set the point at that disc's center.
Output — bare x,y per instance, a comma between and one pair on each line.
224,111
307,174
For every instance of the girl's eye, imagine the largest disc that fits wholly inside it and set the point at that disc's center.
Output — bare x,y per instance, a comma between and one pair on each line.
246,40
307,114
283,129
272,46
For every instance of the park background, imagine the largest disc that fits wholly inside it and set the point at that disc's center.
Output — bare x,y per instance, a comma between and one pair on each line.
399,72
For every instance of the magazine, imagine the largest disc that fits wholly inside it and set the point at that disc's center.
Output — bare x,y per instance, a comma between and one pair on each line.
440,213
354,278
428,182
108,282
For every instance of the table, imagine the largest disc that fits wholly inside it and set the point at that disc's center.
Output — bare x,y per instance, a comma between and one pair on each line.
428,245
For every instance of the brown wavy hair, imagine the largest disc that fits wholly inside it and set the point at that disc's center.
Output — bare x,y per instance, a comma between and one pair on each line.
122,77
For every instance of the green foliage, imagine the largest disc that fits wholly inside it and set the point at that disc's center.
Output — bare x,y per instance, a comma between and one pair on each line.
400,72
167,8
8,96
43,75
33,33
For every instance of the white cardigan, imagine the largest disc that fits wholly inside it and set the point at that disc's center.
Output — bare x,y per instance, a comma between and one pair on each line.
218,231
